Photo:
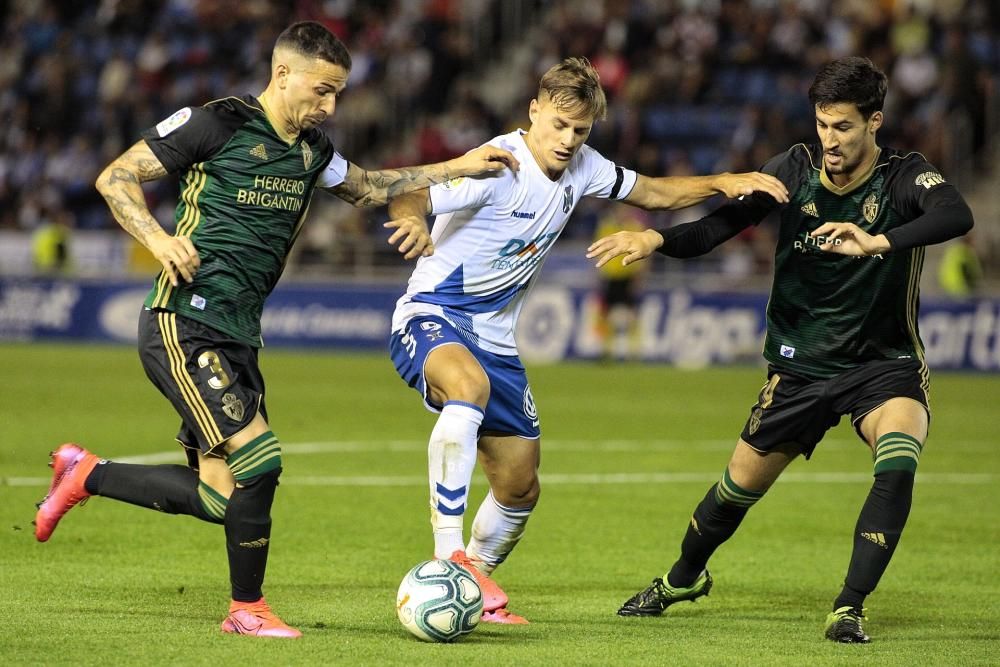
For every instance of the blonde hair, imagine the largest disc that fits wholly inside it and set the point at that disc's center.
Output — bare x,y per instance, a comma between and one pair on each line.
575,86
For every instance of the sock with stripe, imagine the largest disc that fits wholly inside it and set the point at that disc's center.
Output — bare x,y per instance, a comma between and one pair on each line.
173,489
496,530
256,467
882,517
451,458
715,520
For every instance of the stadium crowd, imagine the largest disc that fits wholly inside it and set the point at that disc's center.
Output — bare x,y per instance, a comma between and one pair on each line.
694,87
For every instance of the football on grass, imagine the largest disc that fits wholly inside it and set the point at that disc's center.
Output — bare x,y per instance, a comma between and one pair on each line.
439,601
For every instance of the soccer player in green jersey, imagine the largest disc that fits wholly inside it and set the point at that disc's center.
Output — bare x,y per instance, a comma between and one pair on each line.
842,333
248,168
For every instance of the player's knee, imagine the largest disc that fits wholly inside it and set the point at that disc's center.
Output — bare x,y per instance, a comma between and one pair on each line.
897,451
518,492
258,458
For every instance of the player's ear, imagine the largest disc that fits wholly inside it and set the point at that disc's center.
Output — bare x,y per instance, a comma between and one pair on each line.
875,122
533,110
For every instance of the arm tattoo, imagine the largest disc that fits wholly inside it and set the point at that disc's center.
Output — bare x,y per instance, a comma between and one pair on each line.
120,186
376,188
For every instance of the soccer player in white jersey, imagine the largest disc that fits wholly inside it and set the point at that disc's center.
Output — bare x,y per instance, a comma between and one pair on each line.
453,331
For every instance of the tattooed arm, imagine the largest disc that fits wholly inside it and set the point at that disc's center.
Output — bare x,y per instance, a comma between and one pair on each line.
120,185
376,188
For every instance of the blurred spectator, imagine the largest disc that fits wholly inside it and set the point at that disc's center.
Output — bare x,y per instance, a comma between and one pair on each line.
718,84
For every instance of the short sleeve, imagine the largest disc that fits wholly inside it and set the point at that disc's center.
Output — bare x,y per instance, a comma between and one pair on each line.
464,193
189,136
606,179
335,172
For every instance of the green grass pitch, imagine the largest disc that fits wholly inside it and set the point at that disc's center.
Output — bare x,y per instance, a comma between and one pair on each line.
628,451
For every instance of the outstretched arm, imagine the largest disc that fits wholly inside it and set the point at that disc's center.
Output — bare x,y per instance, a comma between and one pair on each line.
672,192
376,188
690,239
120,185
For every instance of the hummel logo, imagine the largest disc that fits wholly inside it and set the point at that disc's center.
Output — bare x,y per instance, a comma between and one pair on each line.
259,152
255,544
876,538
810,209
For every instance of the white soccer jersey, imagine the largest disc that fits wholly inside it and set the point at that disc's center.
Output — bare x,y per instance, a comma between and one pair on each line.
491,236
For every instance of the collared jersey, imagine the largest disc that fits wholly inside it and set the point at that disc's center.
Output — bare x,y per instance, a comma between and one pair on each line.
491,236
244,195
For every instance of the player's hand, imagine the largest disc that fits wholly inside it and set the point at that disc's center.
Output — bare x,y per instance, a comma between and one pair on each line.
634,245
846,238
412,235
484,160
738,185
177,255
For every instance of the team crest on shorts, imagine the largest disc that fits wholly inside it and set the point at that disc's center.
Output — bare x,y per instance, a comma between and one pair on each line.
529,406
233,407
755,420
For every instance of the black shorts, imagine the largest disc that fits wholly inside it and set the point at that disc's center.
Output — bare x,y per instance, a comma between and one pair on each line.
212,380
794,409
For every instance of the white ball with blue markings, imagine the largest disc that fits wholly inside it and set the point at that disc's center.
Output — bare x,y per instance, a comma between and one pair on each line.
439,601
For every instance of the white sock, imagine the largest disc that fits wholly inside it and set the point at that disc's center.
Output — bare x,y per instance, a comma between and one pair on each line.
451,457
495,532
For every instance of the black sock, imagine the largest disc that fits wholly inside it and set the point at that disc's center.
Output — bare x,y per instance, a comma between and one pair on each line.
712,524
248,531
168,488
876,535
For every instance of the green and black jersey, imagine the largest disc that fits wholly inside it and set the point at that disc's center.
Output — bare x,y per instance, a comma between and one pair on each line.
244,195
829,313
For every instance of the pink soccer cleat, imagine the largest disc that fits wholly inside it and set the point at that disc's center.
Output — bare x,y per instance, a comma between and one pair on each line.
493,595
503,616
494,599
71,464
256,619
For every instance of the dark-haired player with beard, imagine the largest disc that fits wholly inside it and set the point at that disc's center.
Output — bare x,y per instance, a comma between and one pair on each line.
842,333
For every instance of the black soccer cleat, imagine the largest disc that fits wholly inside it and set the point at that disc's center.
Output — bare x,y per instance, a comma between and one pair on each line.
844,626
659,595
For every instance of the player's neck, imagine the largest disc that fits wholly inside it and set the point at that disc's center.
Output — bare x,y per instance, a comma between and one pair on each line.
536,153
274,110
863,170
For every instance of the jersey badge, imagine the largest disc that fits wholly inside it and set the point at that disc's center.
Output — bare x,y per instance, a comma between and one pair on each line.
929,179
259,152
307,155
165,127
810,209
787,351
567,198
453,183
870,208
233,407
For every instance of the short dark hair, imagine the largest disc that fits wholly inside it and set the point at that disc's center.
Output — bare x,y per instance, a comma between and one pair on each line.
313,40
853,79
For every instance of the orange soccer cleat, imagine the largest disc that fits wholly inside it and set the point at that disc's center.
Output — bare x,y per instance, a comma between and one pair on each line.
494,599
256,619
71,464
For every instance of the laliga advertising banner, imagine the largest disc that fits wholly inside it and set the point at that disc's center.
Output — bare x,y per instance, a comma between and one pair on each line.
557,322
